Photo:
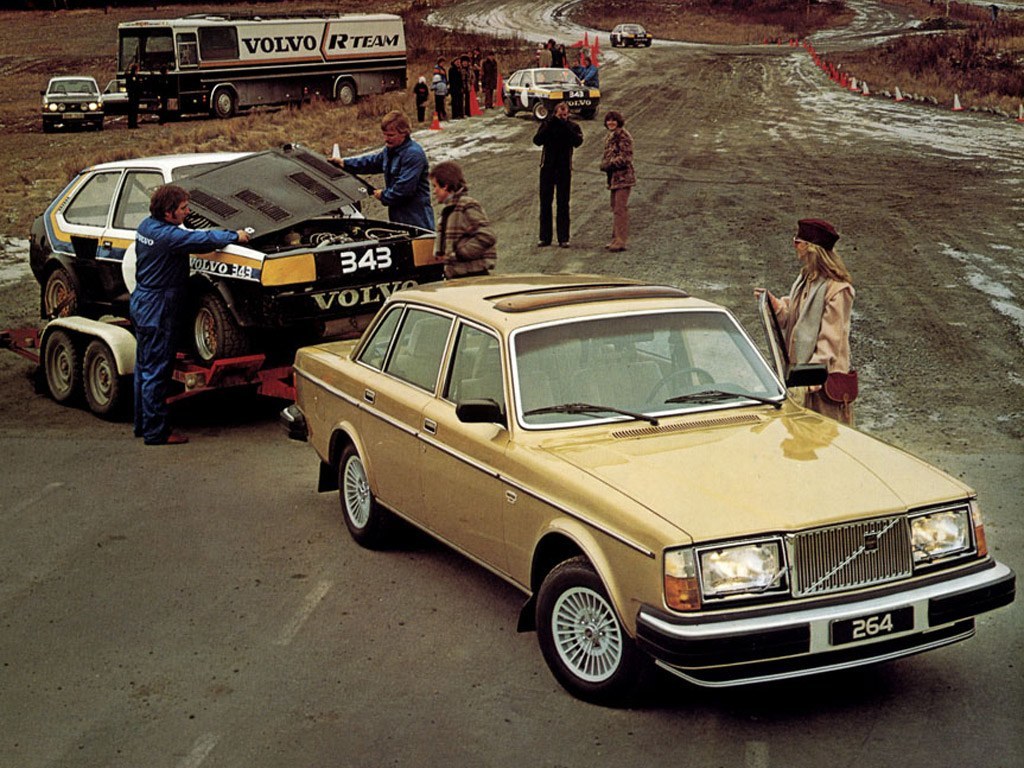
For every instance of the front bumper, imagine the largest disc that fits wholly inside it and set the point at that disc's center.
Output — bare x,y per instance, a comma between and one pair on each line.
766,644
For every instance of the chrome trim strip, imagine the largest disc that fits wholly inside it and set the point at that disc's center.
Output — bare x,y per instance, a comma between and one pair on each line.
476,464
818,619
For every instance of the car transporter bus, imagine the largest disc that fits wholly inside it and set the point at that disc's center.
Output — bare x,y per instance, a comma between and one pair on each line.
220,64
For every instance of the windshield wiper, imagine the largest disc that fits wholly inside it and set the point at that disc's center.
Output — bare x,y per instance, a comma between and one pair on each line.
711,395
589,408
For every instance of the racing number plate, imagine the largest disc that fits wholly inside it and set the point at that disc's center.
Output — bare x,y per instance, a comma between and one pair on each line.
867,627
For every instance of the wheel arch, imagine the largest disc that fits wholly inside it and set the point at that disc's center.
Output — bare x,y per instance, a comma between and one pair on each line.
229,86
120,340
340,82
568,540
200,284
342,436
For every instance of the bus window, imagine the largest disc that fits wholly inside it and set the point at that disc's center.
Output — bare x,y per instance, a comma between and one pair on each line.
218,43
188,50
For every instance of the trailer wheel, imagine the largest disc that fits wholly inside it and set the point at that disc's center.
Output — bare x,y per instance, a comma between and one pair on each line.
60,294
215,334
63,367
347,94
106,391
225,103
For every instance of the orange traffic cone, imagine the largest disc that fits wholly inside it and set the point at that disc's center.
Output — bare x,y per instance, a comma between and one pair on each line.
956,103
899,94
474,103
864,88
499,101
1020,113
586,40
593,53
436,124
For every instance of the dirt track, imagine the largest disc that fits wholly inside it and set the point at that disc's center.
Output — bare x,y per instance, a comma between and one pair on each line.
733,145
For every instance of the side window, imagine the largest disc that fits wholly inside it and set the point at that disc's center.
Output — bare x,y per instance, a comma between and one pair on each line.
376,348
419,348
218,43
188,50
133,205
476,368
92,202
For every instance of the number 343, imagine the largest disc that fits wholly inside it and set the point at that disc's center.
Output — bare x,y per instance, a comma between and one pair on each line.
372,259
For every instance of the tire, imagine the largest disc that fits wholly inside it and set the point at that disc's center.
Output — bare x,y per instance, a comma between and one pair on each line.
106,392
540,110
347,94
63,366
215,334
60,295
582,639
225,103
509,109
368,523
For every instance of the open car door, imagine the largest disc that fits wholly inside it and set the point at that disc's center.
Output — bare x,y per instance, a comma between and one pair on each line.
800,375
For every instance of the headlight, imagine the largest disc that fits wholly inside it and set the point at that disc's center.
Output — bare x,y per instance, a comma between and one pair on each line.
753,567
93,106
941,534
52,107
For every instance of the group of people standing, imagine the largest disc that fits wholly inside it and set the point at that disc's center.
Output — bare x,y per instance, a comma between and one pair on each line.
814,316
458,84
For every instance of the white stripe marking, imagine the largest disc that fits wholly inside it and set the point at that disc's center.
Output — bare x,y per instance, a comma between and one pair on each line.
26,503
309,604
200,751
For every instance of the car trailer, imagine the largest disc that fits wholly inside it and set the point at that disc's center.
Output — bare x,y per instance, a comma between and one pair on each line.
95,360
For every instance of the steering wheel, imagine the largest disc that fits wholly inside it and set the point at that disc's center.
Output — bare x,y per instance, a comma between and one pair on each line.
702,377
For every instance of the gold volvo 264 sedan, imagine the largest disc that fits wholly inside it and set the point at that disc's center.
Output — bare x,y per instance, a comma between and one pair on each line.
625,455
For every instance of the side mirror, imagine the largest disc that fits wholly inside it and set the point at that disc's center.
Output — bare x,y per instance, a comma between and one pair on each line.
480,412
806,375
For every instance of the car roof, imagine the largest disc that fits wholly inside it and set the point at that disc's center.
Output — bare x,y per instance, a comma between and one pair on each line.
170,162
71,78
517,300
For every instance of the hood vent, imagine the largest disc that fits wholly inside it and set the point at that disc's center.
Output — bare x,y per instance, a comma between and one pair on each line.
687,426
314,187
259,203
213,204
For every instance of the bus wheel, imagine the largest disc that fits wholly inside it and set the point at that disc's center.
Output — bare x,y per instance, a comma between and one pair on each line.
225,103
347,94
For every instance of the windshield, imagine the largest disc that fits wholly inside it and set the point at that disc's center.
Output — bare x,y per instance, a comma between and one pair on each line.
556,77
151,49
654,364
73,88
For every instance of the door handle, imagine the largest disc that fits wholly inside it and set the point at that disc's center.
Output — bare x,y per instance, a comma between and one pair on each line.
369,396
430,426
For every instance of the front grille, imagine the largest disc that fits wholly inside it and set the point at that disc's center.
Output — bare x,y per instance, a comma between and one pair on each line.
850,556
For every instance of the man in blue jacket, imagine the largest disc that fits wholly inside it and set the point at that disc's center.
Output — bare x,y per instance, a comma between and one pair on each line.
403,162
162,248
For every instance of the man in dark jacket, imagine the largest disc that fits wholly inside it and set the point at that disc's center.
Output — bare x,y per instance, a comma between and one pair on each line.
403,162
558,136
162,248
455,87
489,78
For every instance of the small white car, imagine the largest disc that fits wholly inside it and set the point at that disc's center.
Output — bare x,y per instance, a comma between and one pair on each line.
630,34
70,102
539,90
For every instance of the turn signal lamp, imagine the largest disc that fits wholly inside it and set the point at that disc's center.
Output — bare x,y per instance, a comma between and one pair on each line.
979,529
682,590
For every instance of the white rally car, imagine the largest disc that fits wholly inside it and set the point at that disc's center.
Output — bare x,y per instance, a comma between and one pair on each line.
539,90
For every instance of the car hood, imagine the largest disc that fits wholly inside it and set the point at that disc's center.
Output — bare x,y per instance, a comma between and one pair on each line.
271,191
760,474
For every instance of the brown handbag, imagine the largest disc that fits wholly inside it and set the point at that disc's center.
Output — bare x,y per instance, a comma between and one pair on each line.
841,387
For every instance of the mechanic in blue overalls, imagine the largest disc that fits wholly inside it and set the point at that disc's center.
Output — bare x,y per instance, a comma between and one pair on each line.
403,162
162,248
